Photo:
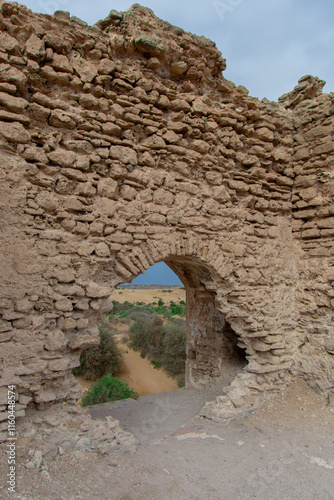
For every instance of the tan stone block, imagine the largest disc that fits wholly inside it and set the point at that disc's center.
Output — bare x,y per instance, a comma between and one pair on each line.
35,47
179,127
82,323
67,324
58,365
82,305
106,66
199,106
45,396
327,147
85,189
326,223
53,76
211,206
14,104
102,249
153,63
9,43
111,128
72,204
238,186
55,340
60,119
171,137
23,305
327,232
265,134
94,290
302,154
35,154
15,132
61,63
128,193
47,201
85,341
24,400
214,178
12,75
107,188
163,197
311,233
64,305
178,68
154,142
85,69
124,154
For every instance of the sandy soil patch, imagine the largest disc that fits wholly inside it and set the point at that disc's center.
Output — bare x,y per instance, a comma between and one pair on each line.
141,374
149,295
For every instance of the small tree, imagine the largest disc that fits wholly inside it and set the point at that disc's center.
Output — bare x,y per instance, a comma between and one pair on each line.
102,359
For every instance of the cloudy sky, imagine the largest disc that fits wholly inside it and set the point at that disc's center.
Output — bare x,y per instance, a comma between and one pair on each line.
268,44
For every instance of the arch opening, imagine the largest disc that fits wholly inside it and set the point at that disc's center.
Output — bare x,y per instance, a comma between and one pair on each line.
214,351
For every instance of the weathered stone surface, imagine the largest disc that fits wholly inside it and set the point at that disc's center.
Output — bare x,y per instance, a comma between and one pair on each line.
122,148
15,132
86,70
14,104
9,43
35,47
63,157
123,154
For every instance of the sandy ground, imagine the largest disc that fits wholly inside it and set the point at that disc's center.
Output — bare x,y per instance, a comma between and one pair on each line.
284,451
140,374
149,295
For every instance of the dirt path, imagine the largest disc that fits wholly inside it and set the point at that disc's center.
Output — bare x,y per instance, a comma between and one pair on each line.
284,451
139,372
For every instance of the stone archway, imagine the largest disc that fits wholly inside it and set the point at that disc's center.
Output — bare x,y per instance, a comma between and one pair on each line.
211,342
120,149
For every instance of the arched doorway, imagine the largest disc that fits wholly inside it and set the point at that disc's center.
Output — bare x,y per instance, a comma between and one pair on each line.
212,345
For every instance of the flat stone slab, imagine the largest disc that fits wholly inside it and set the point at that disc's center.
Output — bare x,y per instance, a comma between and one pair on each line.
153,417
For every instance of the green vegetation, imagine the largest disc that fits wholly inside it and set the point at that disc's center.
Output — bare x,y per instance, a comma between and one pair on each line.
102,359
156,330
106,389
156,364
126,311
164,343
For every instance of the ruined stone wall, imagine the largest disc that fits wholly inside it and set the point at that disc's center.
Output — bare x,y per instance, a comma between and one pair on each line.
313,228
122,145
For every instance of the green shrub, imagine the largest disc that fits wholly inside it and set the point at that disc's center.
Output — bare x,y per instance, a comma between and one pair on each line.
108,388
156,364
145,333
104,358
181,382
173,349
165,344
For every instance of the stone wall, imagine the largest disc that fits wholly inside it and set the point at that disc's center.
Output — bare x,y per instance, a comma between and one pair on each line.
122,145
313,228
